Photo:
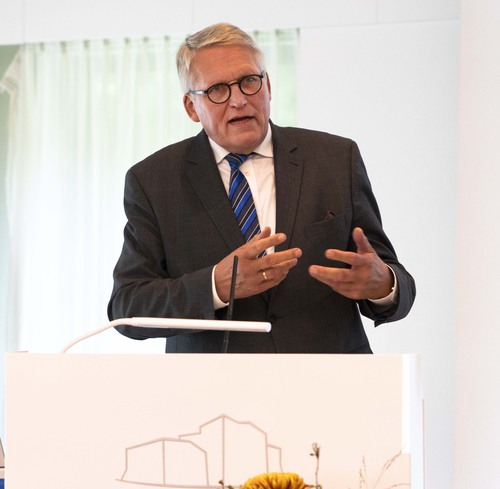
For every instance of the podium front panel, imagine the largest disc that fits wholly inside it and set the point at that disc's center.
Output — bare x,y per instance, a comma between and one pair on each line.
75,421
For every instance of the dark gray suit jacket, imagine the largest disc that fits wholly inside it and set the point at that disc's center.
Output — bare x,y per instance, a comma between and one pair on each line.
180,224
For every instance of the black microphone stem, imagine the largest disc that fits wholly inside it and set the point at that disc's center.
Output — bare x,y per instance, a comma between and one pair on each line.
229,316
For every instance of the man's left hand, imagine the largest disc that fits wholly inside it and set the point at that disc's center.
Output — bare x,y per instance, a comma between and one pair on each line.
368,276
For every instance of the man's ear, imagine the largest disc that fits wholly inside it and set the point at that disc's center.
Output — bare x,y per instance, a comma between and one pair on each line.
268,86
190,109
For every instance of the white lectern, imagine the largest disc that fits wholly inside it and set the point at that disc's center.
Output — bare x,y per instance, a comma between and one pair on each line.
80,421
194,421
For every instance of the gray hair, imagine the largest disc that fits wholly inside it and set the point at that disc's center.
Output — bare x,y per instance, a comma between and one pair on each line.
214,35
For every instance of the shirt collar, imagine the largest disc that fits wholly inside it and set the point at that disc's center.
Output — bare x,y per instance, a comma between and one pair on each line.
264,149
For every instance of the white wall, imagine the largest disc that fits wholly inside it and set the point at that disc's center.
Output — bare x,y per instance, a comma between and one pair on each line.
34,21
477,414
393,88
384,72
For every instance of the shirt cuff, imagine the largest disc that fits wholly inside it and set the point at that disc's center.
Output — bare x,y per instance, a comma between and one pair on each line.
390,299
218,304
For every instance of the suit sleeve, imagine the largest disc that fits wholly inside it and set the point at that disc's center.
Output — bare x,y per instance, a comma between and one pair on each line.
366,215
143,286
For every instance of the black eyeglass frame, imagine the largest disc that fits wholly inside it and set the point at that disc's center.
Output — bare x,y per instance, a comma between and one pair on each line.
229,85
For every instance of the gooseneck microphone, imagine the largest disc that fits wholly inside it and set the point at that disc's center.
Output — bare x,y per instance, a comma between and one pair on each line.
229,316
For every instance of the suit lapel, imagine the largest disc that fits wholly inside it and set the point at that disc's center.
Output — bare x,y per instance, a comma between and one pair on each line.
288,167
205,178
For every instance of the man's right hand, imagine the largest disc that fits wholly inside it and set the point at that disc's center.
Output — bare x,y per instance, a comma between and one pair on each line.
255,274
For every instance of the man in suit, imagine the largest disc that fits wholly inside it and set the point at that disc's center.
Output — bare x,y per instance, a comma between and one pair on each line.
321,256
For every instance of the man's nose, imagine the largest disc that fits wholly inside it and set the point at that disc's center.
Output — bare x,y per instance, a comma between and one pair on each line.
237,97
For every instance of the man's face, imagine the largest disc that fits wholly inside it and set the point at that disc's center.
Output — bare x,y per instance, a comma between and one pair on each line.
240,124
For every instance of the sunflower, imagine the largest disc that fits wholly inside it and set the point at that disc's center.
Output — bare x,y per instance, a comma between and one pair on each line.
275,480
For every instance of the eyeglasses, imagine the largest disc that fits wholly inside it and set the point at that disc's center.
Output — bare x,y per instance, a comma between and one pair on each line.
220,92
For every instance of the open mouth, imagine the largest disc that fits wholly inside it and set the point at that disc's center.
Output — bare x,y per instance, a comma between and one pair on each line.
237,120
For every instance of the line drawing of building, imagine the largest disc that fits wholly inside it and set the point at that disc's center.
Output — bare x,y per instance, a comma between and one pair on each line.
223,451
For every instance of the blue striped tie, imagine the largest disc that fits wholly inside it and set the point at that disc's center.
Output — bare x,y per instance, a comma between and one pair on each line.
241,197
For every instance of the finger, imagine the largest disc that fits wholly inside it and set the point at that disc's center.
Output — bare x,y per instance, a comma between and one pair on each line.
331,276
275,268
278,257
261,242
265,277
362,243
363,247
339,280
265,233
284,266
342,256
273,276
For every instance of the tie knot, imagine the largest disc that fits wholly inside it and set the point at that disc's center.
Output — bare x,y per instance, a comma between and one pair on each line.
237,159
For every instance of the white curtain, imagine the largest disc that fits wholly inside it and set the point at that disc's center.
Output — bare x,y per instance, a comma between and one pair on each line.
81,114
